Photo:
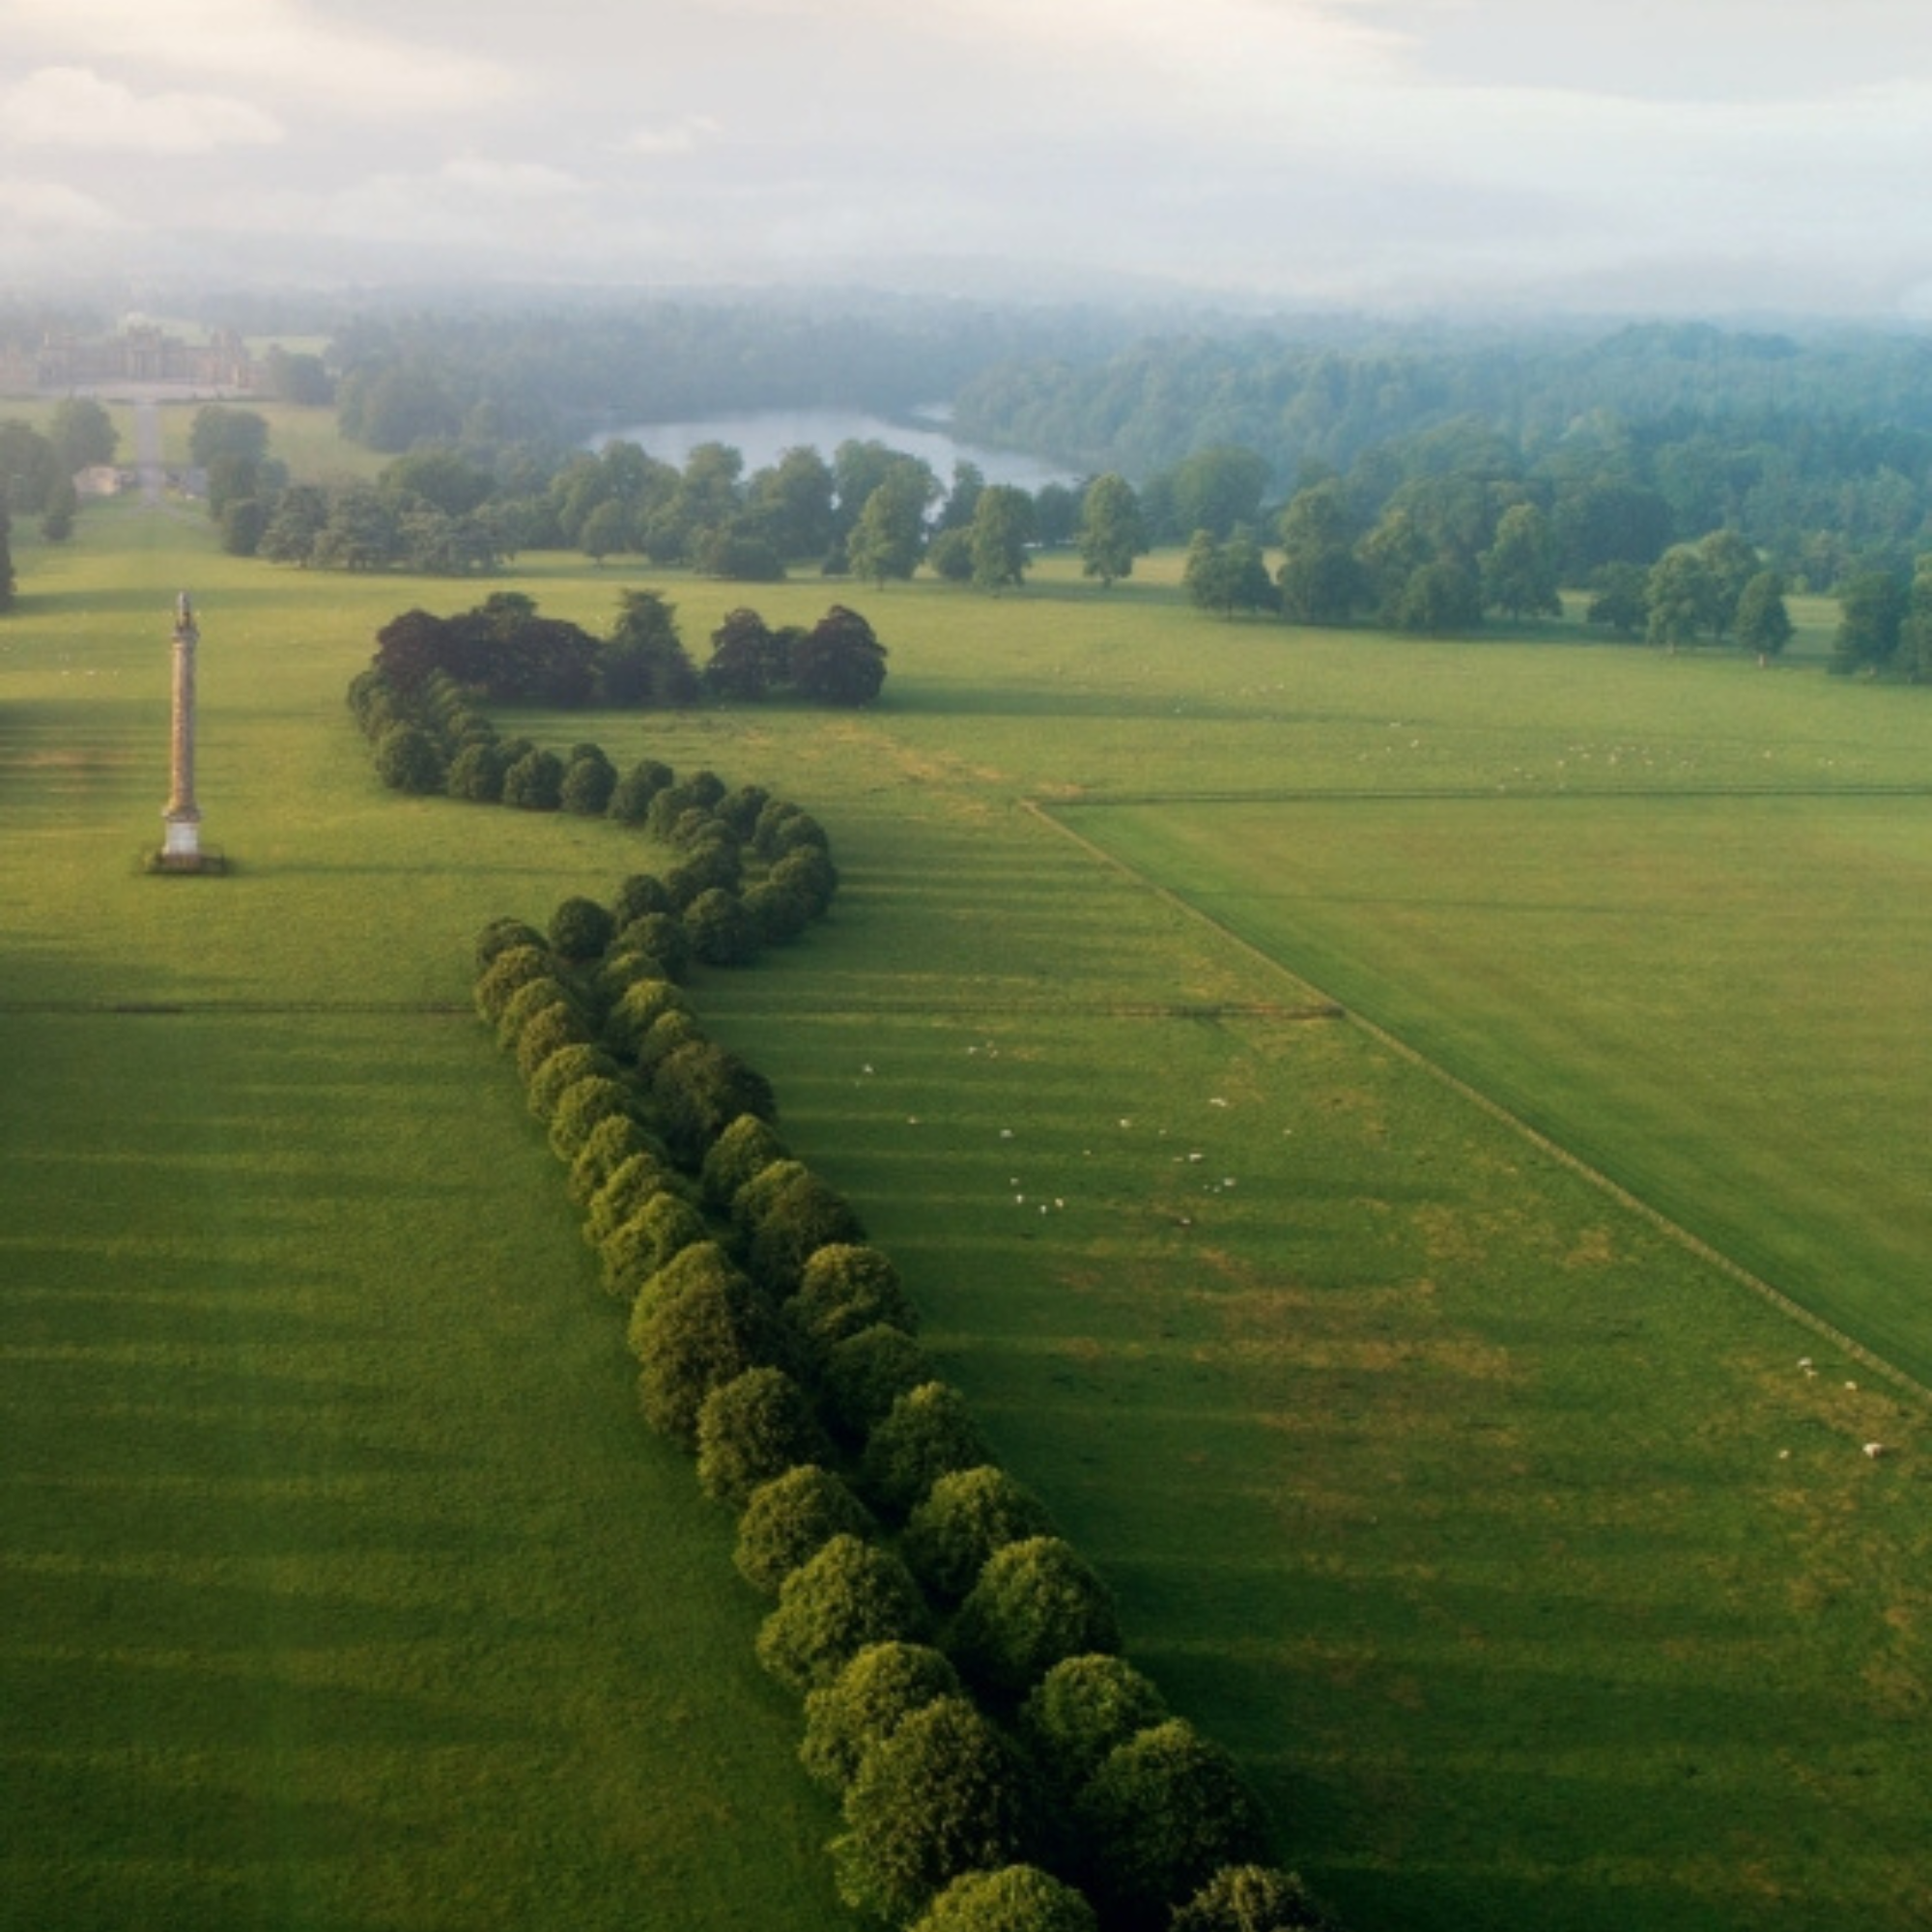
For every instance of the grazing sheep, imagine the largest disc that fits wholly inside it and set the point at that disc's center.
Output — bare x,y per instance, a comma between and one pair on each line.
1875,1450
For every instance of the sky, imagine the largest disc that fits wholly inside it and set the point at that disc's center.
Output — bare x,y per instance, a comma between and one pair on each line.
1705,156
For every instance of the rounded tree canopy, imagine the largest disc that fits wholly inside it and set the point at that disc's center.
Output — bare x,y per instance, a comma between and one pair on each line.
967,1515
1037,1603
881,1687
830,1608
789,1520
927,1433
752,1429
1081,1709
1017,1898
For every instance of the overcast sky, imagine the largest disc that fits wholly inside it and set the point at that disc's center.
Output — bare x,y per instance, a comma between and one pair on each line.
1629,153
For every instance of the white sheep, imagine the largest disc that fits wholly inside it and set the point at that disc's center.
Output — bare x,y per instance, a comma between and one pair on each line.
1875,1450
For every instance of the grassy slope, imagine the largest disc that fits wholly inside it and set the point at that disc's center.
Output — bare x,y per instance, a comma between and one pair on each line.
344,1588
1449,1496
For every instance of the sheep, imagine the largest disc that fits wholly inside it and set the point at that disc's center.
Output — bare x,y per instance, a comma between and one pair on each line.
1876,1449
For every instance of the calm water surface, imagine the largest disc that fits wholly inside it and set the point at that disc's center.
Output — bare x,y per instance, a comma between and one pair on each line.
762,436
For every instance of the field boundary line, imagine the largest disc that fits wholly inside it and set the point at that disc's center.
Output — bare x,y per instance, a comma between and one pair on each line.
1496,794
1675,1231
216,1009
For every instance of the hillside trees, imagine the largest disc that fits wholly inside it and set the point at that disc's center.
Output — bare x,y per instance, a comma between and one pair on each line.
1112,530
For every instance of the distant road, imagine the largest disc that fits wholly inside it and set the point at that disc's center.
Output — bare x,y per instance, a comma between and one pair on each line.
147,453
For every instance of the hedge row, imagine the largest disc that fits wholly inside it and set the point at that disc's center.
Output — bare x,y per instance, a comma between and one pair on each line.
999,1764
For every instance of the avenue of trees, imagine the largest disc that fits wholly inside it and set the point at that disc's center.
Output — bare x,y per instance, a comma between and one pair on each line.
999,1765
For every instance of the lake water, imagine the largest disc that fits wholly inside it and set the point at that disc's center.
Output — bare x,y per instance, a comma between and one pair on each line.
762,436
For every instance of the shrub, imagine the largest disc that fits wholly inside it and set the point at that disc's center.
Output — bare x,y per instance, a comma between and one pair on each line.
582,1106
739,810
1165,1811
927,1433
965,1518
866,1373
844,1286
719,930
1080,1710
705,790
944,1794
664,1225
881,1687
497,938
581,928
746,1147
755,1428
1037,1603
1017,1898
565,1067
588,785
407,760
788,1520
516,965
697,1339
534,782
850,1595
609,1146
1252,1898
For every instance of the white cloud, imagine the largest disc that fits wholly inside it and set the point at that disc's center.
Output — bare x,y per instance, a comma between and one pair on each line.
471,201
269,43
683,136
41,211
74,107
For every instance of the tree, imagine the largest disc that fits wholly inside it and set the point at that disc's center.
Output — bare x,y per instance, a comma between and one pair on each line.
927,1433
582,1107
943,1794
840,660
581,928
791,504
1872,609
1219,490
643,662
1681,597
1319,580
29,467
1444,595
789,1520
605,531
1763,623
744,659
746,1147
1227,577
1621,598
1017,1898
407,760
890,536
219,431
1164,1812
696,1340
850,1595
6,578
965,1518
1915,633
82,433
867,1373
638,1252
844,1286
1252,1898
588,780
1002,528
752,1429
1037,1603
1519,569
534,782
1112,532
1081,1710
875,1693
802,1216
1732,562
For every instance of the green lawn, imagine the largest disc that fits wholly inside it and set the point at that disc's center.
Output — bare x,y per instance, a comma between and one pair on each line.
1502,1537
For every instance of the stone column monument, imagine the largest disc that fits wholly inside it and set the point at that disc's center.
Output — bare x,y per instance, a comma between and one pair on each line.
181,822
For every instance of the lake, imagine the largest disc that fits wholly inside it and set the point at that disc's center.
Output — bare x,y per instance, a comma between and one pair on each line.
762,436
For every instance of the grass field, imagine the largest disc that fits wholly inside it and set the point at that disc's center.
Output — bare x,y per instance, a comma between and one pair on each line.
1499,1533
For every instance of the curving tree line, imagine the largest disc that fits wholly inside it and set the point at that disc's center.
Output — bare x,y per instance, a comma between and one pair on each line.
999,1764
